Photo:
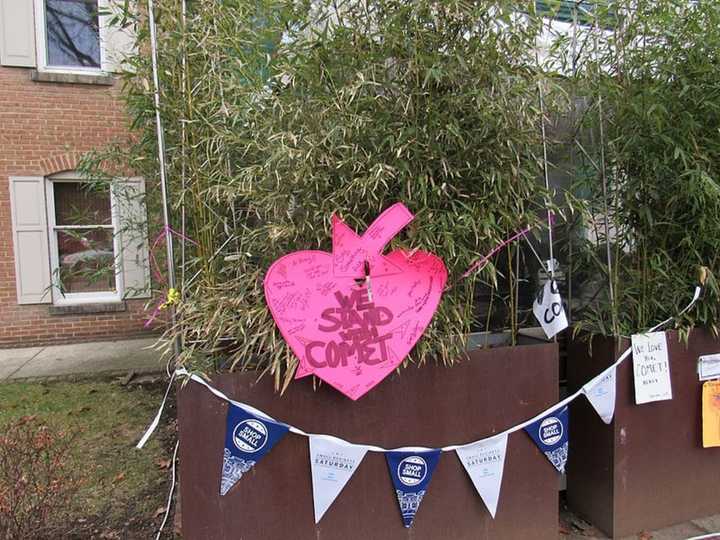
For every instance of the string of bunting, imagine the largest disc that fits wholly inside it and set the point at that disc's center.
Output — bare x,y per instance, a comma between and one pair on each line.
251,434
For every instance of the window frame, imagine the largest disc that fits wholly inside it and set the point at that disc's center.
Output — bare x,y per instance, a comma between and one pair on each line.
41,44
563,13
79,298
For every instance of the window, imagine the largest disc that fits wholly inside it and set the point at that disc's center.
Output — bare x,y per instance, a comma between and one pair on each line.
561,10
582,11
69,36
82,240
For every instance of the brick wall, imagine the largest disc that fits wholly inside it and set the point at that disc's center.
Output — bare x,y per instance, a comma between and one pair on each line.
44,128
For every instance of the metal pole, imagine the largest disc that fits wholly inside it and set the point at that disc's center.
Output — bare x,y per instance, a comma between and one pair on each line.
184,149
545,169
573,163
163,173
606,206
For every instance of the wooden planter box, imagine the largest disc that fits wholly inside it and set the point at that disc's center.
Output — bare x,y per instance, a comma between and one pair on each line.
648,468
430,406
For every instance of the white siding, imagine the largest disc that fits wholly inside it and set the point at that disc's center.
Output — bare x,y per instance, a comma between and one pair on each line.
116,42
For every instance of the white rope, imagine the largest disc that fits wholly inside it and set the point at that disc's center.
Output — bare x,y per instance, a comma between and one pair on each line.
182,372
172,490
537,257
154,424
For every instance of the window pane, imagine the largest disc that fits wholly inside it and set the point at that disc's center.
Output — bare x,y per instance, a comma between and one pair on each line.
87,260
582,10
77,203
73,35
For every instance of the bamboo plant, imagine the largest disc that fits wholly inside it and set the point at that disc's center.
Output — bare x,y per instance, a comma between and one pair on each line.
278,114
651,75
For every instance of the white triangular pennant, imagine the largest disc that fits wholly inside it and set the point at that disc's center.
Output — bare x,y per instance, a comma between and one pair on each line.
600,392
332,463
548,309
484,462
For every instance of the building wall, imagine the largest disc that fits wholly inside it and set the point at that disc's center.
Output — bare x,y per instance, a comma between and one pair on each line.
45,127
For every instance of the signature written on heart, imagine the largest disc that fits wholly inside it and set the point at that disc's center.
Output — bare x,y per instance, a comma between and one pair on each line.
352,314
355,320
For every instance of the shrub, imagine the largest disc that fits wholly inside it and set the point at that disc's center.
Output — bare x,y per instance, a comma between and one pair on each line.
36,488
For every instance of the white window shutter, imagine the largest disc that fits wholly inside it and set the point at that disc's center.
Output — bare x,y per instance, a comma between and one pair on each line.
129,198
30,239
116,43
17,33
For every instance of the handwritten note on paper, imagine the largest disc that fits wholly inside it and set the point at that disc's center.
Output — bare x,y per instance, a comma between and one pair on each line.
353,315
651,367
548,309
709,367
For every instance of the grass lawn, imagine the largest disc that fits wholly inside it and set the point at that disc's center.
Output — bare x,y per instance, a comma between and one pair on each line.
122,488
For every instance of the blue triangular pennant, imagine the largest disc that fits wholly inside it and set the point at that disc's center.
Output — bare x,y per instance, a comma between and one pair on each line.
411,473
248,438
550,434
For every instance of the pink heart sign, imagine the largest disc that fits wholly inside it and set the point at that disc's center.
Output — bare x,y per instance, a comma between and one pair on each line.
353,315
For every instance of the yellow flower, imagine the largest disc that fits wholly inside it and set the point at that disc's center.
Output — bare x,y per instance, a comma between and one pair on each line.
173,297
